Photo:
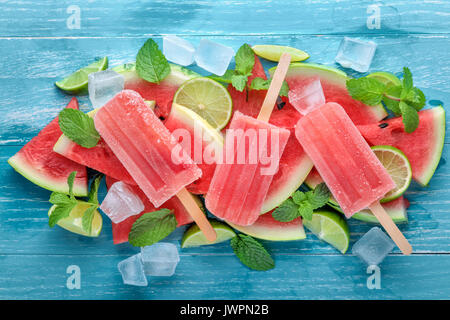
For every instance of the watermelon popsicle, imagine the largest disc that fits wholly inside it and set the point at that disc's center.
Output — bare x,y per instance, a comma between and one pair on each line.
352,172
241,182
145,147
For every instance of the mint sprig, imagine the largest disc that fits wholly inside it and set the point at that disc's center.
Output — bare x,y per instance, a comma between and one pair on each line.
252,253
152,227
302,204
151,64
263,84
78,127
403,100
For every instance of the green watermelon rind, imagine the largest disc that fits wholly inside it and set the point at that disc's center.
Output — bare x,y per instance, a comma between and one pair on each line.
39,178
333,75
177,75
439,121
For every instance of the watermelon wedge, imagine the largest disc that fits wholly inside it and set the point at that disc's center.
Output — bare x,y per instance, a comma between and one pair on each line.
267,228
100,157
37,161
423,147
396,209
161,93
121,230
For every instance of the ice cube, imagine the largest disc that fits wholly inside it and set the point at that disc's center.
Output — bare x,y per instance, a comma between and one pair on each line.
307,96
356,54
373,247
178,50
103,86
160,259
213,57
132,271
121,202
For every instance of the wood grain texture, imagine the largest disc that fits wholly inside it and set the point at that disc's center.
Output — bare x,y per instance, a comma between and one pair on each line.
36,49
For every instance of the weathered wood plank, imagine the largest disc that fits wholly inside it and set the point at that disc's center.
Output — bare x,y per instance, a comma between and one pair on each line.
303,277
118,18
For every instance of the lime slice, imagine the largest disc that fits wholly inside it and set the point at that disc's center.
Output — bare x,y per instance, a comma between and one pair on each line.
193,237
73,222
273,53
386,77
77,82
330,227
398,167
208,98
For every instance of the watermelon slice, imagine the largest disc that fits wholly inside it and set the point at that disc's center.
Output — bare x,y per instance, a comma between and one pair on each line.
396,209
37,162
100,157
267,228
163,92
121,230
423,147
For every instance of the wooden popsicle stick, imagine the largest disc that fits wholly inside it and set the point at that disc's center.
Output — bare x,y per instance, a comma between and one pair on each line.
197,214
275,87
391,228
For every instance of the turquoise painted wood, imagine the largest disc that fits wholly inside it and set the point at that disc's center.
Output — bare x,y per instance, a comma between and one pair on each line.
37,48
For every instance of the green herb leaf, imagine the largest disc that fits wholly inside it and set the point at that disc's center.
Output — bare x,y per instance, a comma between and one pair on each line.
320,196
263,84
78,127
286,212
284,91
299,197
59,198
60,212
88,216
151,65
152,227
367,90
252,253
305,210
70,181
226,78
407,79
410,117
93,192
415,98
245,60
239,82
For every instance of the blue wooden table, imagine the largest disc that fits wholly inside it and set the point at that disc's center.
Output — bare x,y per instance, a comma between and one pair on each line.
38,45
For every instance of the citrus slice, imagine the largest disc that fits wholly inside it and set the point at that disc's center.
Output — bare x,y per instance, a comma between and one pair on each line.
193,237
73,222
77,82
330,227
273,52
398,167
208,98
386,77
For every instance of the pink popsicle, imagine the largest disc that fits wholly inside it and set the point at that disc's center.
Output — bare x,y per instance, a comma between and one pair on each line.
240,184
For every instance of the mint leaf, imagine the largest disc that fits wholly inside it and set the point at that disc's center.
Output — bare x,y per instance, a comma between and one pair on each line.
305,210
252,253
88,216
415,98
263,84
78,127
152,227
320,196
151,65
226,78
298,197
59,198
70,181
93,192
407,79
367,90
245,60
60,212
410,117
239,82
284,91
286,212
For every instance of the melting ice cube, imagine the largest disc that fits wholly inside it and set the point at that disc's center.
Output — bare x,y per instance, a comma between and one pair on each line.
160,259
103,86
373,247
356,54
307,96
178,50
213,57
132,271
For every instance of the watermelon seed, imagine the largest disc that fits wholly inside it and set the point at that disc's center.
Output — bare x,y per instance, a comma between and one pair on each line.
280,103
383,125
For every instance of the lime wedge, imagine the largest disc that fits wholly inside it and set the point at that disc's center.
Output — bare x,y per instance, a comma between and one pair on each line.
73,222
193,237
208,98
398,167
273,52
77,82
330,227
386,77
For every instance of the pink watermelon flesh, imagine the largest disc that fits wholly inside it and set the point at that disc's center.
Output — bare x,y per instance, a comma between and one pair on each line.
423,147
121,230
37,161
